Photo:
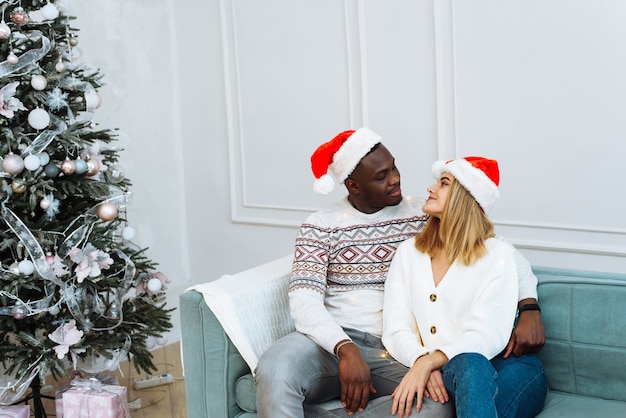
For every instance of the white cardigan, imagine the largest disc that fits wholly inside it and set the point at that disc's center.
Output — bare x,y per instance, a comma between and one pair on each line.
471,310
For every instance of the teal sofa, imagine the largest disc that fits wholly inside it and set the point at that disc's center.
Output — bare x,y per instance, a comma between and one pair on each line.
584,314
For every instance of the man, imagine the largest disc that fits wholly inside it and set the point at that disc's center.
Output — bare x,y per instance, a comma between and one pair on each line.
341,258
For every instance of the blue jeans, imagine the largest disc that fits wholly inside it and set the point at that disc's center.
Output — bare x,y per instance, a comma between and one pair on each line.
511,388
295,374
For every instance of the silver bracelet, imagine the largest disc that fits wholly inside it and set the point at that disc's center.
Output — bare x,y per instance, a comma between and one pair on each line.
341,345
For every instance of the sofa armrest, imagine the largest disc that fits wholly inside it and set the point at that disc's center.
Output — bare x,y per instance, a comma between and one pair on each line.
209,384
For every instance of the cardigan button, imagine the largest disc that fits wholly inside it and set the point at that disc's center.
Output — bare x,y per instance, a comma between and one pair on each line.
433,297
433,330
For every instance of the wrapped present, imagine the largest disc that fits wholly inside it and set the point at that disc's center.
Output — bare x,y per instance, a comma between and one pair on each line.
15,411
87,398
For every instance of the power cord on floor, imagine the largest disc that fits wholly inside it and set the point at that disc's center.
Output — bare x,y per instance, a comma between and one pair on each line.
164,377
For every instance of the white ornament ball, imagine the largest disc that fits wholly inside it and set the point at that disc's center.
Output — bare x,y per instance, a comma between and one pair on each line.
150,343
13,164
5,31
49,11
44,159
128,233
26,267
38,82
12,58
107,211
154,285
60,67
161,341
54,311
38,119
32,162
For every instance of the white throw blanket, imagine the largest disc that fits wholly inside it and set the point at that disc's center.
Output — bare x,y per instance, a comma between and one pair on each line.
252,306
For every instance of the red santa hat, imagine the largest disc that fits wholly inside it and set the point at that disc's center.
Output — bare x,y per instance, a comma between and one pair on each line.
479,175
340,156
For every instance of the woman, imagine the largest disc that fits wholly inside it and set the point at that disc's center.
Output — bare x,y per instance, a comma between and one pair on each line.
450,303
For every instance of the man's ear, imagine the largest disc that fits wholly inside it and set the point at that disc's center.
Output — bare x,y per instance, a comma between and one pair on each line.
352,186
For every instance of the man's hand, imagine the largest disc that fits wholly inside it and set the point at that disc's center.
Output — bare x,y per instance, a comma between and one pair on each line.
355,377
528,337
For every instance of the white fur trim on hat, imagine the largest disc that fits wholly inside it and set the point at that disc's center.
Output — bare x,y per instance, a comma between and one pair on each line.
357,146
324,184
476,181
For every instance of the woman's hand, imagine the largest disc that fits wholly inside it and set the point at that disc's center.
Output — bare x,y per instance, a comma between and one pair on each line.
414,384
435,388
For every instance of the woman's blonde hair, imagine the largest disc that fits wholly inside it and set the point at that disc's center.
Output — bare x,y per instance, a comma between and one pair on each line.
461,231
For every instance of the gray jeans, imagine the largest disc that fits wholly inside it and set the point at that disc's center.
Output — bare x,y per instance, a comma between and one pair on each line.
295,373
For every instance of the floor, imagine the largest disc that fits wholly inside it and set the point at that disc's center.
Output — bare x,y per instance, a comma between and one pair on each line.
165,401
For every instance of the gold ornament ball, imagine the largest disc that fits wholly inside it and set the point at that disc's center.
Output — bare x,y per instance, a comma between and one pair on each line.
18,186
107,211
68,166
93,167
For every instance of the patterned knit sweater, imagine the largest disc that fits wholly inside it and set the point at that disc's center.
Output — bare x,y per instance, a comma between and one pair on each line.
340,264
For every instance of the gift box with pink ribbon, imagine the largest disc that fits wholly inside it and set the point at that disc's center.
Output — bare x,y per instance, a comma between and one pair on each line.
88,398
15,411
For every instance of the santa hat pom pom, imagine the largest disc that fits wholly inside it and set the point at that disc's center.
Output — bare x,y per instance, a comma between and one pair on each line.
324,184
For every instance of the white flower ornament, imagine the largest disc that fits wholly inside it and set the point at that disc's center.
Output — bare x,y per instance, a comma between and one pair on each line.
65,336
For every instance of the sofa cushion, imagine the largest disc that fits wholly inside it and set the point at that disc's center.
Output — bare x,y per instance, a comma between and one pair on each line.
584,315
559,405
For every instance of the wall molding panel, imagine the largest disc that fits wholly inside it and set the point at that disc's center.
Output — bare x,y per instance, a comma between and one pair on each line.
264,71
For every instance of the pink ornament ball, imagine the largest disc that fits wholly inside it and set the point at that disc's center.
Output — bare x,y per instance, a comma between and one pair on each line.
19,16
18,312
13,164
5,31
107,211
12,58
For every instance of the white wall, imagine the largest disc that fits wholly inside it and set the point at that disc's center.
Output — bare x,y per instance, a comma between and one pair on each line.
224,101
133,43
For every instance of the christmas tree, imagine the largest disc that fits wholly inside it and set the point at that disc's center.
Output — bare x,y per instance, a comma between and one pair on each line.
75,292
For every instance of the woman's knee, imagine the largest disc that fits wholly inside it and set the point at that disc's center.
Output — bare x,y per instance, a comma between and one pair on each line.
468,367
